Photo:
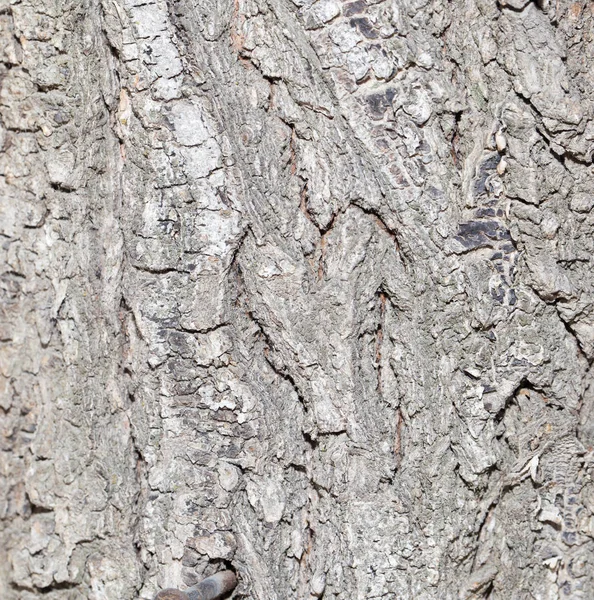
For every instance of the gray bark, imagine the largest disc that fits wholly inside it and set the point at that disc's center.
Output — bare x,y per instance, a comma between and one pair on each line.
300,289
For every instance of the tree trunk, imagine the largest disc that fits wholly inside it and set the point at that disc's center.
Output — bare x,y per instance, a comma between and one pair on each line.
299,289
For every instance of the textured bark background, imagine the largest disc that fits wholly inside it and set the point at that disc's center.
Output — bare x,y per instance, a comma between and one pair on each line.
303,289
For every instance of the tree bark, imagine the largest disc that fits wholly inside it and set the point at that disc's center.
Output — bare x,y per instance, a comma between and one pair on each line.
298,289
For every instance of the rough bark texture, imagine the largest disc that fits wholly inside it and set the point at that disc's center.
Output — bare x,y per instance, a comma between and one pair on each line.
301,289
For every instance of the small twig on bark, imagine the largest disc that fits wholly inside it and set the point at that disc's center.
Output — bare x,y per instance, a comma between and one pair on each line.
211,588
